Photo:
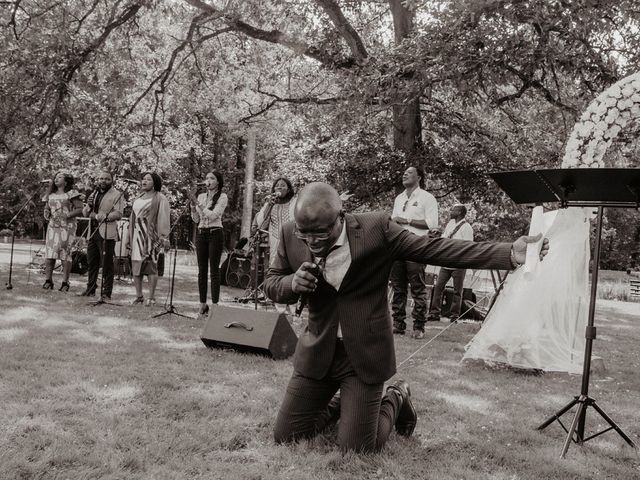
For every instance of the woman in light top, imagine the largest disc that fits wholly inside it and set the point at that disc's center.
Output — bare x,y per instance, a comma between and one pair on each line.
149,227
63,205
207,210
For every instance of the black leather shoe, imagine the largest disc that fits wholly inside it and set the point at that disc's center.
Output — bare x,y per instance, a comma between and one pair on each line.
334,409
87,293
48,285
64,287
407,416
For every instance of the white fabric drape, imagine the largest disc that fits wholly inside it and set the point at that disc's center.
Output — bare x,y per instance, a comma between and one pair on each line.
539,319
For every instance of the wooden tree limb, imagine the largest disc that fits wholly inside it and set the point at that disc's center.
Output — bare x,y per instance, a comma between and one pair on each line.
345,29
76,61
276,37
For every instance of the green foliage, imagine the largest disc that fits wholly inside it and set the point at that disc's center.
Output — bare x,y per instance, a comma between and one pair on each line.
173,87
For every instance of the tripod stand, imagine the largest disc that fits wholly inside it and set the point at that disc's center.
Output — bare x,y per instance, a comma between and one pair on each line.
9,285
254,292
171,309
580,187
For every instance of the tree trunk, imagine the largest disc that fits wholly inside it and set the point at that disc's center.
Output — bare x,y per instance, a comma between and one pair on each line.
407,122
249,168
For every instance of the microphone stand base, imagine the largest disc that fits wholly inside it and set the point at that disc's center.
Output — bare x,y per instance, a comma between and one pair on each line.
171,310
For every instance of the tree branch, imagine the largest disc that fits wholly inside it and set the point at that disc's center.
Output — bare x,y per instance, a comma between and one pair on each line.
345,29
276,37
62,88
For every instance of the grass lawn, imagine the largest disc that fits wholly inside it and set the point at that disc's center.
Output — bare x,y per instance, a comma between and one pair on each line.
107,392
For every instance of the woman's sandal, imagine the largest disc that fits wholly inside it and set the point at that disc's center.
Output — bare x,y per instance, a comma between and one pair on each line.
48,284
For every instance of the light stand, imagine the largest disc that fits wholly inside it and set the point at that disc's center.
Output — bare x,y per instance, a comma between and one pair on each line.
9,285
579,187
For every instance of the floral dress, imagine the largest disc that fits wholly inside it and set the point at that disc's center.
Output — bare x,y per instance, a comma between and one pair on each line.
61,230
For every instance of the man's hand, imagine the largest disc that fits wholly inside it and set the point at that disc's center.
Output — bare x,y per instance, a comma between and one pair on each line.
86,210
100,216
520,247
304,280
400,220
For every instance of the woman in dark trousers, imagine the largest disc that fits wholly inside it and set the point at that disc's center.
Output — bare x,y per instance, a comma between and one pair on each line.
207,210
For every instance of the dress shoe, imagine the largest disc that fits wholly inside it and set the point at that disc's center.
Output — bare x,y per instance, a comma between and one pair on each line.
138,301
407,416
64,287
87,293
418,334
398,331
48,284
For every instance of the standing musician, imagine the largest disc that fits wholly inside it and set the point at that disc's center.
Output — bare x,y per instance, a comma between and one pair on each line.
63,205
148,233
104,206
207,210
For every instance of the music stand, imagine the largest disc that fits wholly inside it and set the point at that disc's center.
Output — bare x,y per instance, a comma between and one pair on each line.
579,187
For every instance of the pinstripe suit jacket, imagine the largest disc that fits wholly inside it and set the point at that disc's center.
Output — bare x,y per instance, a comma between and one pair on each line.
360,305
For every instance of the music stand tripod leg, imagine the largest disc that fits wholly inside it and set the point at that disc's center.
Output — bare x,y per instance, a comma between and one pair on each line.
558,414
613,424
572,429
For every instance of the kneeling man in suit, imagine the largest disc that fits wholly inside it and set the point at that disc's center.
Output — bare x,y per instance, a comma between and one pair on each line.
341,263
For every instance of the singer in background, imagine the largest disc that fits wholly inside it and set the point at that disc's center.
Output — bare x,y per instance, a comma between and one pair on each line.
149,227
348,342
279,208
207,210
63,205
104,206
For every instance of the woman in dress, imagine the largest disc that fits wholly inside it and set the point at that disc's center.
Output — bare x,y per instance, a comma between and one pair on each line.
149,227
207,210
63,205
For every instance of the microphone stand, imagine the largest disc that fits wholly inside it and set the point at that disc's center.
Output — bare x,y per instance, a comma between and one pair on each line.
102,301
257,252
170,309
9,285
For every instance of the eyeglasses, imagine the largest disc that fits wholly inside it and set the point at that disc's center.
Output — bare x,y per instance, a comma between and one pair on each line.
318,236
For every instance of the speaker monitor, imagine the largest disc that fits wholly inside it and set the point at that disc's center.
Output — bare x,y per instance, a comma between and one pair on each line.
238,273
250,331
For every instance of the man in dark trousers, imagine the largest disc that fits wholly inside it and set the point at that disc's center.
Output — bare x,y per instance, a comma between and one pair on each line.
460,229
104,207
348,342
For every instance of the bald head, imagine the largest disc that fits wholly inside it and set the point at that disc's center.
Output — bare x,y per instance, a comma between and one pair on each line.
318,217
317,202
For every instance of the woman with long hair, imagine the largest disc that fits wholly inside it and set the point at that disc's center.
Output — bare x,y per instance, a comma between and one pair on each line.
149,227
207,210
279,209
63,205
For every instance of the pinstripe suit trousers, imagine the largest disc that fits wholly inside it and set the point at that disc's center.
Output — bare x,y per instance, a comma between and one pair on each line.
366,416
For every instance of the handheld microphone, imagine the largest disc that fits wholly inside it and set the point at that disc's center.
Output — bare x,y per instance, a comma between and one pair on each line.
302,300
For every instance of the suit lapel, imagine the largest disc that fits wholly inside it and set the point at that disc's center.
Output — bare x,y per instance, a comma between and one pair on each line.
356,245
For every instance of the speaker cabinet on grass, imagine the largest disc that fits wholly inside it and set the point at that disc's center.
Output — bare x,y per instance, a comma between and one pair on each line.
250,331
